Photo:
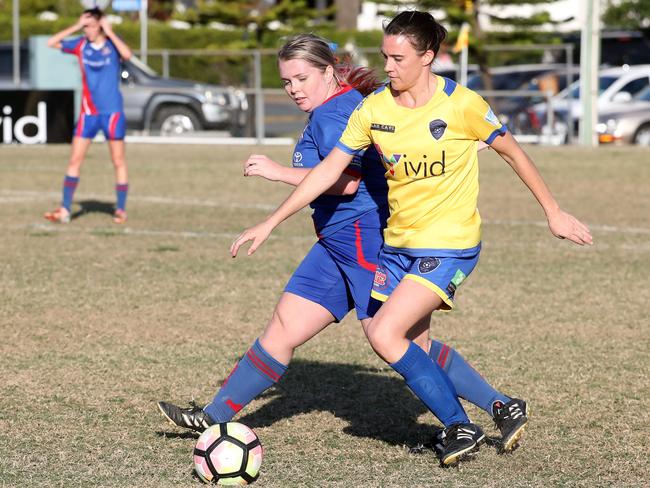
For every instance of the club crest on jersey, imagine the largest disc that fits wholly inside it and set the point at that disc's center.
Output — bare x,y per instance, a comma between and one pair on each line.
492,118
426,265
381,279
437,128
382,127
297,158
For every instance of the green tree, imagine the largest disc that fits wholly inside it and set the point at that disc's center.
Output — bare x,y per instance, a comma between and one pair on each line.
255,15
33,7
628,14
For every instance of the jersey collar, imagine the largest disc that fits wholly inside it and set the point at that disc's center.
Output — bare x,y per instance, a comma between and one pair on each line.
344,89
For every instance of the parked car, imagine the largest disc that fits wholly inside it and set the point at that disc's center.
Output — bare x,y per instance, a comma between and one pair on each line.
172,106
616,88
630,125
514,110
151,102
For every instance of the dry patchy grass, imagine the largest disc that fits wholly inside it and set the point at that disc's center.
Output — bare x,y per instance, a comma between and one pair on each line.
98,322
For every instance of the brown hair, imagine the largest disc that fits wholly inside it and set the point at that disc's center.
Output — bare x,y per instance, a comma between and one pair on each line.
95,13
318,53
423,31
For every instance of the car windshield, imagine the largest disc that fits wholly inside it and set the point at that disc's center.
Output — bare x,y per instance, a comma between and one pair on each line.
604,82
142,67
643,95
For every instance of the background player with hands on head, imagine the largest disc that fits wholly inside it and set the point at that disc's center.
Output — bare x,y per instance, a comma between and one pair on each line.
99,51
426,129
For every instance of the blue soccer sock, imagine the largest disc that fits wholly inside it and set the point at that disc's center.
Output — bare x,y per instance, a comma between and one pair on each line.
256,372
69,186
121,191
431,385
468,382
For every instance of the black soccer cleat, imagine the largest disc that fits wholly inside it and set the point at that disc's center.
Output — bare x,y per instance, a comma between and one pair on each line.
459,440
511,419
189,418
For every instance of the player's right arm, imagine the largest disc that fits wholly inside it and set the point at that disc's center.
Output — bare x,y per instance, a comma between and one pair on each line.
319,179
356,138
55,40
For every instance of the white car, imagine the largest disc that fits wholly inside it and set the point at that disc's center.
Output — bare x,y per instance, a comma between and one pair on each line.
631,125
616,88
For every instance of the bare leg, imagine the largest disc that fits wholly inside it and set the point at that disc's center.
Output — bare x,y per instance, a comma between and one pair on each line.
118,156
295,320
405,315
80,147
419,333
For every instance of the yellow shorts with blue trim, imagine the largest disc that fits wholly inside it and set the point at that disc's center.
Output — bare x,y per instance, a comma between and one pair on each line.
441,274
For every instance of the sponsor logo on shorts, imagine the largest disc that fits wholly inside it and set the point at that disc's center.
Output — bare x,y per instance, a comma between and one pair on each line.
381,279
458,278
437,128
382,127
426,265
451,289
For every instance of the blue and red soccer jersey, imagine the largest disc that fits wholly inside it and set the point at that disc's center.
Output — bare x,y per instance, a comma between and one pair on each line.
102,106
338,271
324,128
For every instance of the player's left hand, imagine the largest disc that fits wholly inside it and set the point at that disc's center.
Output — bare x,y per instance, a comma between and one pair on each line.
566,226
260,165
258,234
105,24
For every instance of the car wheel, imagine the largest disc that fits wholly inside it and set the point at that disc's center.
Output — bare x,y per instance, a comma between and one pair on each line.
176,120
642,136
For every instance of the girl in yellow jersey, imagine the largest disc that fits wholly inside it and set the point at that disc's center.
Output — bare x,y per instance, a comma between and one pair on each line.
427,130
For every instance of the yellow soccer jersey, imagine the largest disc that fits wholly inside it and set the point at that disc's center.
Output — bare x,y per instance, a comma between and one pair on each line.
431,160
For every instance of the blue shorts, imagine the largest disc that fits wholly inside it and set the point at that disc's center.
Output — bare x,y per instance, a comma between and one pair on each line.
443,275
113,126
338,271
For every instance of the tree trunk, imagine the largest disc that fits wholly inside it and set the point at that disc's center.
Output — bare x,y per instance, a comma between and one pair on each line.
347,12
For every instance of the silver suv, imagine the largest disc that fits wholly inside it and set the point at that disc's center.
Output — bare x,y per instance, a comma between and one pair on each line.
172,107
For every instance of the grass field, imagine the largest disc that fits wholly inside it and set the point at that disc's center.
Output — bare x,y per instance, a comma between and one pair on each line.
99,322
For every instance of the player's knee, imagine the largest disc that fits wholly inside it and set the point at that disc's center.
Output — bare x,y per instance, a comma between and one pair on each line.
75,162
119,163
381,337
280,331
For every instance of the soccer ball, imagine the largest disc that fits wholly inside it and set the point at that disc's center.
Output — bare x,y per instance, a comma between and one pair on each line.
228,454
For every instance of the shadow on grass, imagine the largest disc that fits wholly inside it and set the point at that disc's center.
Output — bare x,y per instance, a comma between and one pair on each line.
93,206
374,405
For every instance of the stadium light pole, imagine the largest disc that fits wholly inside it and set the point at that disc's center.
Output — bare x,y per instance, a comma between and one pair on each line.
16,41
589,62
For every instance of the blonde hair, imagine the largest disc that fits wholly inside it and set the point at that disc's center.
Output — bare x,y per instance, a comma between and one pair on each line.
317,52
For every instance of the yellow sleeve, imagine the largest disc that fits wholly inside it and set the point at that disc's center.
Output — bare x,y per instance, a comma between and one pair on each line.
480,121
356,136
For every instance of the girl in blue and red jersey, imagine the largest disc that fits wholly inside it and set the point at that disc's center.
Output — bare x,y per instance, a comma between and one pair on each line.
337,274
99,52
